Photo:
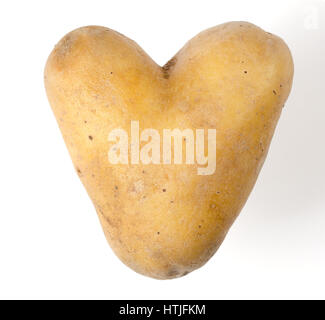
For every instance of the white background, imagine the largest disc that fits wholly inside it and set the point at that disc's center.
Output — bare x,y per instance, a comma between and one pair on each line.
51,242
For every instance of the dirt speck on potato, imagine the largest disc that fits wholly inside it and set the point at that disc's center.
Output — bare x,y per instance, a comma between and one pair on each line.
168,67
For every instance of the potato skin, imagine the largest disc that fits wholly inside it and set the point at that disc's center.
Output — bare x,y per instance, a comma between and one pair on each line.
165,221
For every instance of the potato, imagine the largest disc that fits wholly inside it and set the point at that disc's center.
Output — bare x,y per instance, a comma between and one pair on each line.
164,219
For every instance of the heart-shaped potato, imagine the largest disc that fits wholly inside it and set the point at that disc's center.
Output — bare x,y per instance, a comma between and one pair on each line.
164,219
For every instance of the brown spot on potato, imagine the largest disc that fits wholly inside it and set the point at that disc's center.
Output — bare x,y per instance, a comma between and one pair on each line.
110,223
90,137
167,67
172,272
261,145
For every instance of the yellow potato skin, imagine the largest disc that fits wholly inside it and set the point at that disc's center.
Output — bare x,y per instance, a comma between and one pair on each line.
165,221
